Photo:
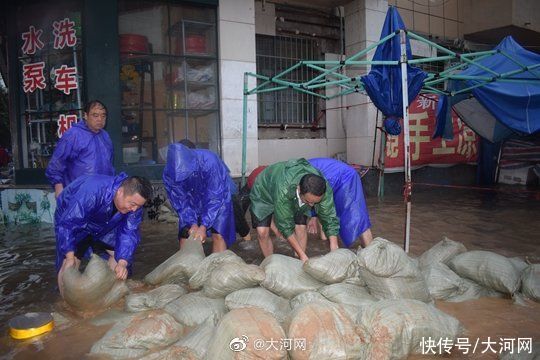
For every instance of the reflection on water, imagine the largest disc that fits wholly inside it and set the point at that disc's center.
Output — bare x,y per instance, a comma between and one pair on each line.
503,222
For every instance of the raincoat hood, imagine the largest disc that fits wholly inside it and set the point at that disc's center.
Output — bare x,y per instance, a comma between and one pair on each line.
182,160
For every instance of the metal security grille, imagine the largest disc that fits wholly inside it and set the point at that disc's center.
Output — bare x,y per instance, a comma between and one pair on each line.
274,55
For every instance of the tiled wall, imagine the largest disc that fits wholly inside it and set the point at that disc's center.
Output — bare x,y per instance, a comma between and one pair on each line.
439,18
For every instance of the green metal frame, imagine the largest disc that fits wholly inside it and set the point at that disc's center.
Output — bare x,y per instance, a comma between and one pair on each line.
329,77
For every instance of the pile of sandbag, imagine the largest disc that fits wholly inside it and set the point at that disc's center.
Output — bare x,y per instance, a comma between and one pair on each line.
95,289
325,308
454,274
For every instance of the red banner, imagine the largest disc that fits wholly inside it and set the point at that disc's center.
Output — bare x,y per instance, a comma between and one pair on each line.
424,149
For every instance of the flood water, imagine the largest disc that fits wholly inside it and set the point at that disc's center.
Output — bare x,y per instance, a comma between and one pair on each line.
505,222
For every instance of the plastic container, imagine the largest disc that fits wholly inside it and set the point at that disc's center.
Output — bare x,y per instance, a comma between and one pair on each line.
196,43
132,45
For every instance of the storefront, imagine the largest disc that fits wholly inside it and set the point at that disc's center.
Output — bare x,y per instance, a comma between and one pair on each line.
154,64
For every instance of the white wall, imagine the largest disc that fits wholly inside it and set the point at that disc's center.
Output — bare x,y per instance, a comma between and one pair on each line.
274,150
363,23
236,56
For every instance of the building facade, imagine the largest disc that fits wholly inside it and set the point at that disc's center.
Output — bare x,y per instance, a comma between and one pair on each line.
169,70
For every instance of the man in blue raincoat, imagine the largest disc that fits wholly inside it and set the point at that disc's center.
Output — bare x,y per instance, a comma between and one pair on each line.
349,200
101,214
84,149
200,190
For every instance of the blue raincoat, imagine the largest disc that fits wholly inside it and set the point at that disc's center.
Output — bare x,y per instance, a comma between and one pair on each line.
200,189
349,199
80,152
86,208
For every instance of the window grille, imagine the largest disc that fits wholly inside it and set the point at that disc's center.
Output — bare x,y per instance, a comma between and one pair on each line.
274,55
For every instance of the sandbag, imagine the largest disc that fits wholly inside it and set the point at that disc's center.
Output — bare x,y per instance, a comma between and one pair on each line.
191,347
194,309
197,341
472,290
285,277
229,277
389,273
138,335
356,280
530,278
333,267
518,263
180,267
96,288
253,332
209,263
154,299
393,329
306,298
441,252
442,282
488,269
328,331
383,258
397,287
347,294
261,298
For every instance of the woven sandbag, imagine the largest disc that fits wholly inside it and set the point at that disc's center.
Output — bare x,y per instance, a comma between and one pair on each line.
180,267
328,331
347,294
97,288
154,299
442,282
441,252
191,347
306,298
385,259
209,263
138,335
393,329
333,267
518,263
194,309
397,287
530,278
488,269
247,329
261,298
198,340
229,277
285,277
355,280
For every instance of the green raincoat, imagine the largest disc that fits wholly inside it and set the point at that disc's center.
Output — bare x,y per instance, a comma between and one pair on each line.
274,192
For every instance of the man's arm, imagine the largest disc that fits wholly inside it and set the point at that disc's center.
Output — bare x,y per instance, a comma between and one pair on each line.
128,238
58,164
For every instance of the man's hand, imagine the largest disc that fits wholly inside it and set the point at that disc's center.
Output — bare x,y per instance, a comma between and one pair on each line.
303,257
200,233
58,188
69,261
121,270
312,225
333,243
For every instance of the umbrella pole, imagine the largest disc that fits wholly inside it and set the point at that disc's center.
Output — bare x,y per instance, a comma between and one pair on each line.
407,191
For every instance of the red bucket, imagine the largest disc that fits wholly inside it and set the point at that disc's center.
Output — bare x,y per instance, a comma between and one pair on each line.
196,43
133,43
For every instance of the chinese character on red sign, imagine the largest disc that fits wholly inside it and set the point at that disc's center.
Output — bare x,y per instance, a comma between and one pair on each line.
64,33
66,79
32,41
64,123
33,77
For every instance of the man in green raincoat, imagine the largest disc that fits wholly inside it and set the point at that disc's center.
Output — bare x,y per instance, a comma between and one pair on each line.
287,191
